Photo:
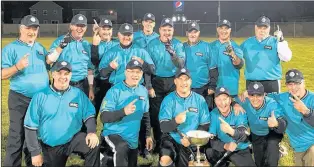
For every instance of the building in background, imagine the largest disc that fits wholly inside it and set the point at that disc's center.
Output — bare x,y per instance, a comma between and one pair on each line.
47,12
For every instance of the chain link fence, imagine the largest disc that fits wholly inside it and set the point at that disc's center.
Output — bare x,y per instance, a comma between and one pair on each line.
239,29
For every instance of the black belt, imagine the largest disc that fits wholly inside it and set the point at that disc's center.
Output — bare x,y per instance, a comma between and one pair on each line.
77,82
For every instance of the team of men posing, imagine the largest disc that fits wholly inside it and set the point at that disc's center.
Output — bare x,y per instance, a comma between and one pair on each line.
146,80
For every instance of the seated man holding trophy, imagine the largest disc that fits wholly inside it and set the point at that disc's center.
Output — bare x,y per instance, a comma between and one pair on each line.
181,111
230,130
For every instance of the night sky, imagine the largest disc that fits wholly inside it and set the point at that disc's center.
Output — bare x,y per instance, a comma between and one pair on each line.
203,11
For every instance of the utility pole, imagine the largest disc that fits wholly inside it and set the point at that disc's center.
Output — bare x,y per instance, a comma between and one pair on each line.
218,10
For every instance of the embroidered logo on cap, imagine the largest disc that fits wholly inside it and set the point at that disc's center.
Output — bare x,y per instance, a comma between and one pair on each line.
33,19
64,63
81,18
263,19
222,89
106,21
136,62
127,27
167,20
291,74
183,70
193,25
255,86
149,15
225,21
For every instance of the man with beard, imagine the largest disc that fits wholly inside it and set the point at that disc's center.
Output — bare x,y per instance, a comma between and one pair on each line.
122,110
263,54
24,63
229,58
113,64
58,127
102,43
181,111
202,64
143,37
75,50
265,118
168,56
230,131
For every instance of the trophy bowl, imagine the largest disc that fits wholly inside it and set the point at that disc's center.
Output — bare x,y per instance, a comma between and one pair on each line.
199,138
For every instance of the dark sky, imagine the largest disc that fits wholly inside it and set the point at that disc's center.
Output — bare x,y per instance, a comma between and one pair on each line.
233,11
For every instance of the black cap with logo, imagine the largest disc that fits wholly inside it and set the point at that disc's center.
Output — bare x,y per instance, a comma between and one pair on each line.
79,19
126,29
149,16
263,21
221,90
166,22
29,21
134,64
255,88
193,26
294,75
61,65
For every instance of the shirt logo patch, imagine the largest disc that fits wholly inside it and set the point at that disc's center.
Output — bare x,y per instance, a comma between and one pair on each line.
192,109
84,52
263,118
40,52
73,105
268,47
141,98
199,54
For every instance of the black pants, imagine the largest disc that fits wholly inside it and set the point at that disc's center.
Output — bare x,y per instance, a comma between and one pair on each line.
18,105
270,86
82,84
58,155
209,98
162,87
101,88
266,149
119,149
179,154
238,158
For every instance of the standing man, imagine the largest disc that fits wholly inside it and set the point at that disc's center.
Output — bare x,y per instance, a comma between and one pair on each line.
263,54
143,37
298,105
230,131
59,126
202,64
265,117
168,56
102,43
113,64
181,111
24,63
122,110
229,58
77,51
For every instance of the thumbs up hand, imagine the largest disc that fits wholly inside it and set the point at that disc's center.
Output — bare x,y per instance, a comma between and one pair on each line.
225,127
114,64
130,108
180,118
23,62
272,121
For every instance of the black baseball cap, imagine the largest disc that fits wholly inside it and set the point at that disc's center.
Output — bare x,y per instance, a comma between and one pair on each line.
134,64
79,19
294,75
149,16
182,71
105,22
29,21
263,21
255,88
61,65
193,26
126,29
166,22
221,90
224,23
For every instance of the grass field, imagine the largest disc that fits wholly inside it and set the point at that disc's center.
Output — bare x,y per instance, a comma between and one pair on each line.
302,48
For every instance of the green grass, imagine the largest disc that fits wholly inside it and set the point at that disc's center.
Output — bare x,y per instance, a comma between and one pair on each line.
302,49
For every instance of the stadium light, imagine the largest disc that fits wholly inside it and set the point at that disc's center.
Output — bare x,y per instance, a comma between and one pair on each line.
174,19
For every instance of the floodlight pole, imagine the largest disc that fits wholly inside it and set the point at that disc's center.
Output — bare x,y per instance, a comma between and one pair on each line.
218,11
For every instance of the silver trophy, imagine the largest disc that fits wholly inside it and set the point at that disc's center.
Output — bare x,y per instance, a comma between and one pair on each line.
199,138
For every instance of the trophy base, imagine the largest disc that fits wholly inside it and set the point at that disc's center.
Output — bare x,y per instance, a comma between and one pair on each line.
202,163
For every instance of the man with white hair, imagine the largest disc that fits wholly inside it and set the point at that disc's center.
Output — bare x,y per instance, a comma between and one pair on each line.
24,63
263,55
